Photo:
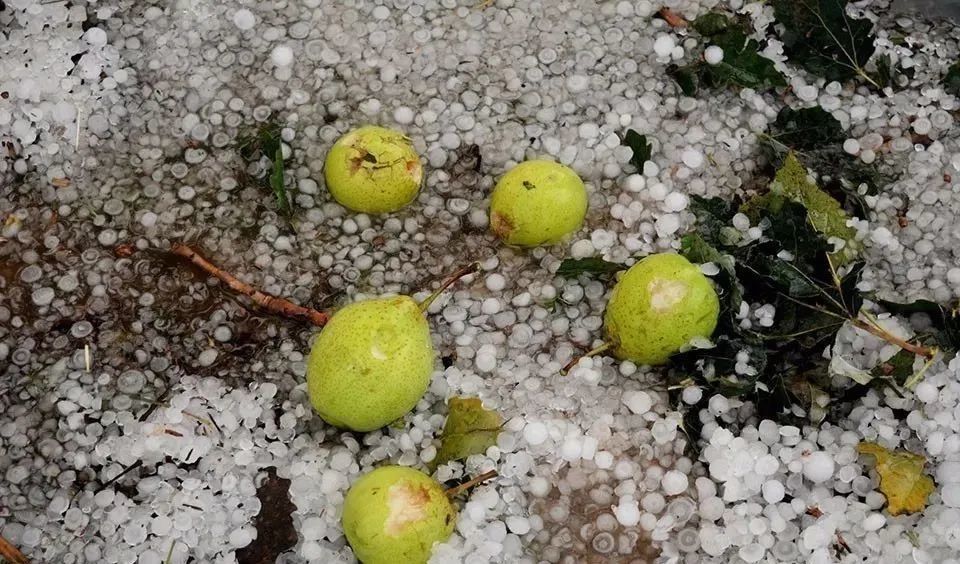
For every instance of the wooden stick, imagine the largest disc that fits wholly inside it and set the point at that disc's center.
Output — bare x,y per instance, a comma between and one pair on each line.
457,490
672,18
918,350
11,554
270,303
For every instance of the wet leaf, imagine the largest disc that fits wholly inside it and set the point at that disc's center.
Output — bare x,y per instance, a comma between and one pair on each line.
822,38
641,148
742,64
902,480
898,368
687,78
712,23
469,429
276,532
714,216
594,266
807,128
277,183
951,81
825,213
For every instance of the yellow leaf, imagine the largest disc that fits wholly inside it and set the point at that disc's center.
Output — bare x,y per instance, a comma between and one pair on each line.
902,479
469,429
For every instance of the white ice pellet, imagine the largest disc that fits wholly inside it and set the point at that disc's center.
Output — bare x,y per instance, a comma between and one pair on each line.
244,19
627,511
282,55
674,482
663,45
713,55
818,467
637,401
692,157
773,491
535,433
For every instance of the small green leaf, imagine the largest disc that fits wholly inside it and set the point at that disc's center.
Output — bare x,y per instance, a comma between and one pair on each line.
277,183
951,82
712,23
596,266
822,38
825,213
696,249
641,148
687,78
807,128
742,64
469,429
899,367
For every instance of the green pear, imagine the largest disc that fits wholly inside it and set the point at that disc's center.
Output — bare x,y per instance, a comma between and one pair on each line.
657,307
537,202
371,363
374,170
394,514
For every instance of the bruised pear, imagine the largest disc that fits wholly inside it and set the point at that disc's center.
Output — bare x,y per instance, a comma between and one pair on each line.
371,363
659,305
395,514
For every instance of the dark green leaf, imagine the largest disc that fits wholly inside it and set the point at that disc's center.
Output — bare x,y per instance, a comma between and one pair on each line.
885,74
807,128
899,368
712,23
641,148
713,215
786,276
821,37
742,64
469,429
697,250
951,82
572,268
277,183
687,77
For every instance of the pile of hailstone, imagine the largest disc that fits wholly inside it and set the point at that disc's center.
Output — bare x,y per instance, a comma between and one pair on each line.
141,408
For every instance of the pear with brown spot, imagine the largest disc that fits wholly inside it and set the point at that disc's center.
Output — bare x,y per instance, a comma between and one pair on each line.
657,307
395,514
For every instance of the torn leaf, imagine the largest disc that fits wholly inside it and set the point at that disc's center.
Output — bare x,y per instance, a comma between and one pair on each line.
641,148
469,429
902,480
596,266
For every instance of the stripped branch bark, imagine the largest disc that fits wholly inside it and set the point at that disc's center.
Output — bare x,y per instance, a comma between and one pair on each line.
11,554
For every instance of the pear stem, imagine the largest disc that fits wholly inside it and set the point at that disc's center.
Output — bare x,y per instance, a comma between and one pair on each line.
465,271
594,352
269,303
457,490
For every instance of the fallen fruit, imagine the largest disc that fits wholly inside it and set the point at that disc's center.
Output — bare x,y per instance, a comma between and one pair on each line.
373,170
537,203
395,514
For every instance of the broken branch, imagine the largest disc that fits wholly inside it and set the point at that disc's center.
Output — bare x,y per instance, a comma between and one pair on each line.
11,554
267,302
457,490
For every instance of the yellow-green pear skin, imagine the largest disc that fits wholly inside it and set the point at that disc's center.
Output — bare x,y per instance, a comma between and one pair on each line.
394,514
373,170
371,363
659,305
537,202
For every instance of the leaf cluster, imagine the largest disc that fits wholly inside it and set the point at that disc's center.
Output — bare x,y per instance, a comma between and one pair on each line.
742,63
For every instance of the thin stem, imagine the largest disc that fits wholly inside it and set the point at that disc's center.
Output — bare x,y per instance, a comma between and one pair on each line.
465,271
270,303
11,554
594,352
876,331
915,379
457,490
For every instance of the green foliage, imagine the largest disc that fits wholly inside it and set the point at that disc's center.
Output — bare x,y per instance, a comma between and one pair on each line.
469,429
266,143
790,269
951,81
641,148
593,266
821,37
807,128
742,64
277,184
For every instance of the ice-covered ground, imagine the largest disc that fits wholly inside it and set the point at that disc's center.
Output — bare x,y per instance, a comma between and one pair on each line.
120,123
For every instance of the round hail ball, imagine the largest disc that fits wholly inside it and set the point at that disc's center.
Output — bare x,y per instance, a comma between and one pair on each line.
537,202
657,307
373,170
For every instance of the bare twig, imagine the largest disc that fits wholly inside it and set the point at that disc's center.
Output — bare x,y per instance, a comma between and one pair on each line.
457,490
11,554
916,349
465,271
270,303
672,18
